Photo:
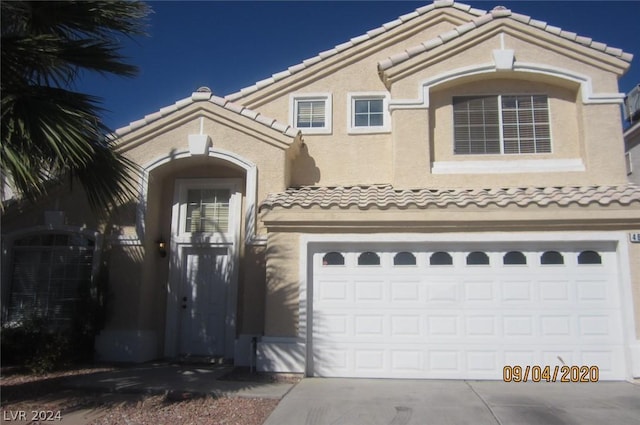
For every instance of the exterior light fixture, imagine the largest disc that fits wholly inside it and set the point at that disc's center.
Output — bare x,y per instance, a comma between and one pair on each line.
162,247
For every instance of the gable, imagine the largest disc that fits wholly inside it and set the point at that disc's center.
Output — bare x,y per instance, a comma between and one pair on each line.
504,41
432,19
206,115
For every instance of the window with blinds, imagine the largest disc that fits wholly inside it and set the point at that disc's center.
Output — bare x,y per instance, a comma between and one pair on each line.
502,124
48,272
311,113
207,210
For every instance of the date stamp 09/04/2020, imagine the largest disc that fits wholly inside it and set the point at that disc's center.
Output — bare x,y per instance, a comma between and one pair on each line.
551,373
34,416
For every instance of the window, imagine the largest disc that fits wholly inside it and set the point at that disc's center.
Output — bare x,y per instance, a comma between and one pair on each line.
628,163
311,113
589,257
441,258
368,259
501,124
49,273
404,259
477,258
333,259
551,257
207,211
513,258
368,112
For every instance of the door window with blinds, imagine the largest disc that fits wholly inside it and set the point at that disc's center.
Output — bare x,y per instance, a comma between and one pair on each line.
49,274
501,124
207,211
205,207
312,113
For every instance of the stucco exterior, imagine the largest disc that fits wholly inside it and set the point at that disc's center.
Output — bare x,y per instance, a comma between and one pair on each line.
417,188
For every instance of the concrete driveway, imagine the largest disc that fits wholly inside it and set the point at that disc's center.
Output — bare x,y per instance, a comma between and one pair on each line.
337,401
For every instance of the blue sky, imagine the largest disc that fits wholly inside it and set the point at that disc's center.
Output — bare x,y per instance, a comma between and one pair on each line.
230,45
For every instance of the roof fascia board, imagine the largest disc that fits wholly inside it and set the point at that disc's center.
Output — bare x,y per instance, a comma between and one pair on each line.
463,36
347,53
529,219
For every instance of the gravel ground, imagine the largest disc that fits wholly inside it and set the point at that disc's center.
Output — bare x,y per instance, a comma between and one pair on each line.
24,392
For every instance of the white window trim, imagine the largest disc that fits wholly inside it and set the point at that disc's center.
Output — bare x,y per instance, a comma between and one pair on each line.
293,108
508,166
501,125
628,163
386,118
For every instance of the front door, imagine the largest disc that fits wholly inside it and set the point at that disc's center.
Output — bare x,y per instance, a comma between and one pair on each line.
203,268
203,301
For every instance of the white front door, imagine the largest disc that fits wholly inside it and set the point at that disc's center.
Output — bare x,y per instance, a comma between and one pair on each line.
203,301
202,284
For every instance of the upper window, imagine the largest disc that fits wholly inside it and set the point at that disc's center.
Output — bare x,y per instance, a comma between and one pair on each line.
501,124
368,112
311,113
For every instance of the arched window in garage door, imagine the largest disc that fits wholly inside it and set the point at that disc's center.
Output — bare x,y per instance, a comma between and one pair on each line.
514,258
369,259
589,257
404,259
441,258
477,258
551,258
333,259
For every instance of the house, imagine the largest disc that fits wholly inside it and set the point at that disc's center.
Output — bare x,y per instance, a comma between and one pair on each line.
632,134
427,200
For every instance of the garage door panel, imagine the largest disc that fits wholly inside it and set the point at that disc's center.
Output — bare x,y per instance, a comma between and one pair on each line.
370,291
464,322
485,326
406,291
333,291
443,291
553,290
516,291
478,291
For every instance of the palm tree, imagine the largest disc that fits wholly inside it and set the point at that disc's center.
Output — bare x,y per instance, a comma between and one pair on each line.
50,132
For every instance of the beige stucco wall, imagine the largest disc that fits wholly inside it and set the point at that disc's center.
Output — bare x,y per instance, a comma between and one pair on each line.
364,158
283,283
403,157
634,262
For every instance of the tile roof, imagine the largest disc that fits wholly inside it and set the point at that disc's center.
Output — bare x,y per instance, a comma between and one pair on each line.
204,94
385,196
498,13
437,4
482,17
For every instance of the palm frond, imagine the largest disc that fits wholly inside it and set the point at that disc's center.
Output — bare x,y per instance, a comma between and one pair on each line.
48,130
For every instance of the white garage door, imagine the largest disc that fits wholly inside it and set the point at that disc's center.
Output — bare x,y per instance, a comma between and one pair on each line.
464,312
